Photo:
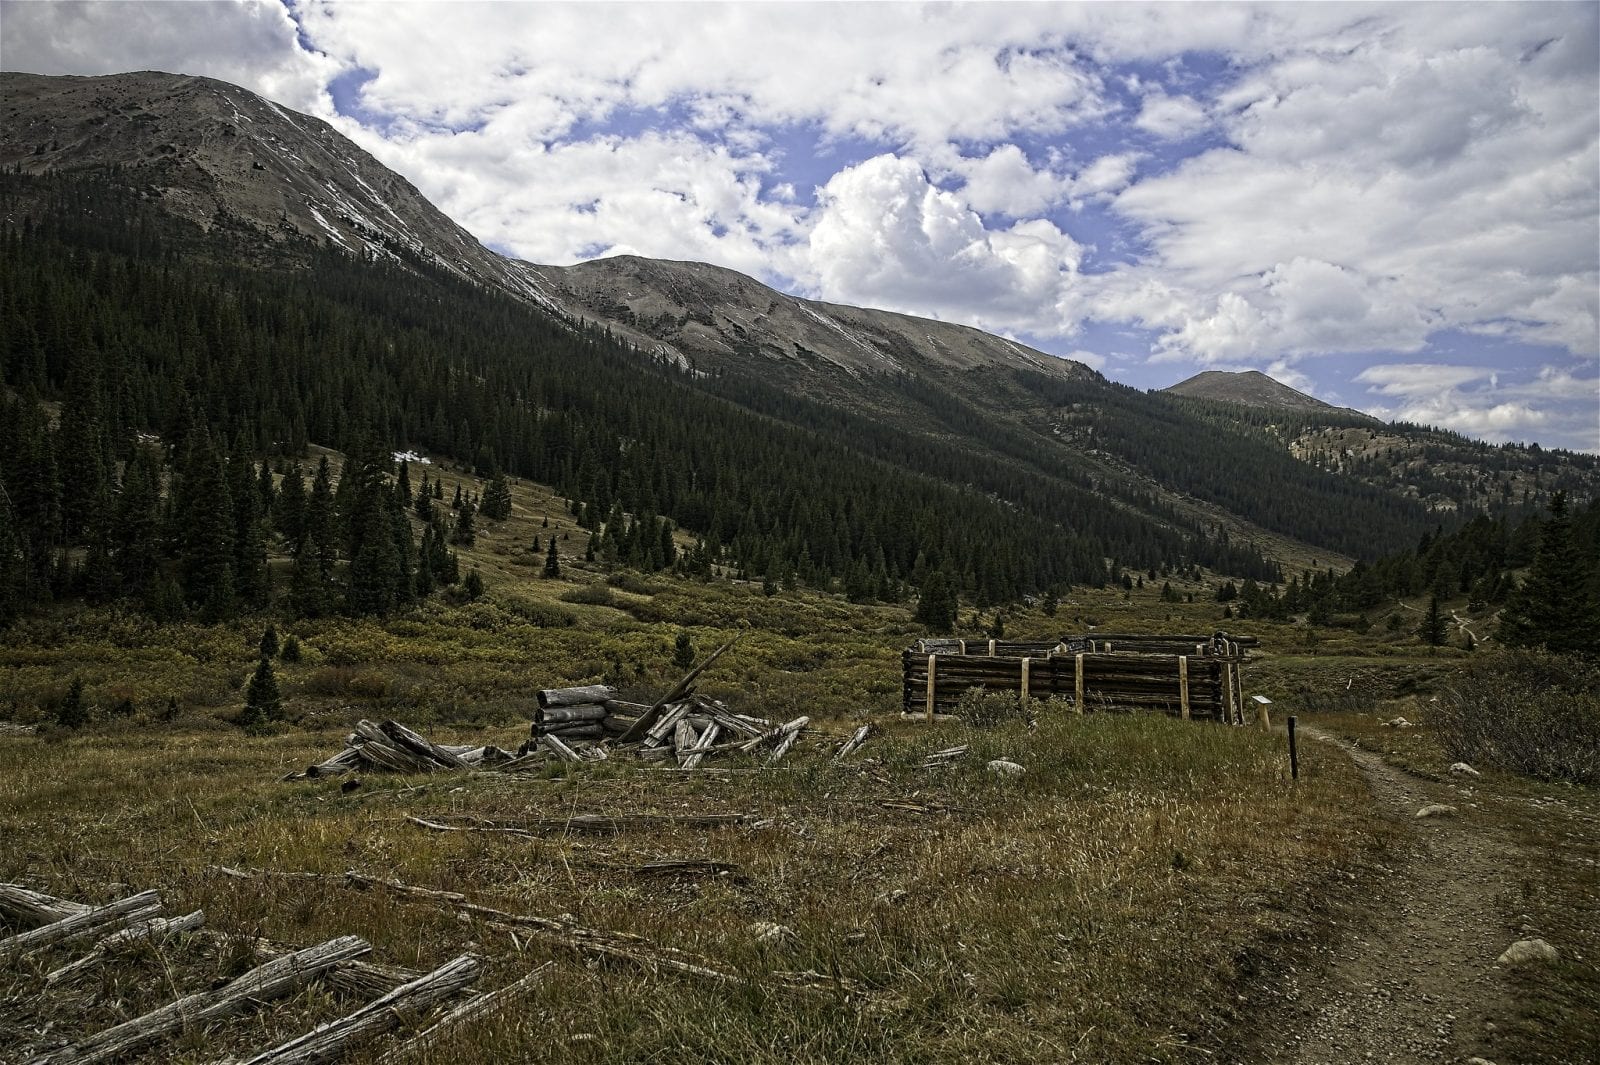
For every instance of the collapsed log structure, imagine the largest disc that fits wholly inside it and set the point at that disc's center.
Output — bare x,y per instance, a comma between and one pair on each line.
1188,676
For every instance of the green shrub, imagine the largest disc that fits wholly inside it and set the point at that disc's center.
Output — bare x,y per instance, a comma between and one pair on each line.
1530,711
590,595
985,709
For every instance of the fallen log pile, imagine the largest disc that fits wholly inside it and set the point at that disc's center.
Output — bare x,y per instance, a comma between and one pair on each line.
1188,676
588,724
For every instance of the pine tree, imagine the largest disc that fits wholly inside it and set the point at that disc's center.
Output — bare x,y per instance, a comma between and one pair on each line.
424,501
376,569
262,703
402,483
1432,628
1555,607
308,591
289,513
683,651
206,532
497,498
269,642
552,565
936,608
320,527
291,649
73,712
249,538
473,585
465,533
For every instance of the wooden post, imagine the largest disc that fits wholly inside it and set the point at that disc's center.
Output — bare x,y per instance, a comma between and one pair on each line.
933,668
1026,663
1264,717
1294,753
963,646
1183,686
1079,697
1227,693
991,648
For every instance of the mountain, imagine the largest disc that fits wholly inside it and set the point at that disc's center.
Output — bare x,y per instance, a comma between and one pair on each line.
1251,388
604,379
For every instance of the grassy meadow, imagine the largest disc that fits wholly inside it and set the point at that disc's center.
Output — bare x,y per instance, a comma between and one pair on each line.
1114,904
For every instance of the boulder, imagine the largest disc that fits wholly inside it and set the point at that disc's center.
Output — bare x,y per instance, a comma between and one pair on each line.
1002,768
1526,951
1437,810
1464,770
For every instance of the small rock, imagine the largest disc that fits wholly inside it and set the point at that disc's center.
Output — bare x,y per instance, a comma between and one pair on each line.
1398,722
1437,810
1524,951
769,932
1002,767
1479,1061
1463,769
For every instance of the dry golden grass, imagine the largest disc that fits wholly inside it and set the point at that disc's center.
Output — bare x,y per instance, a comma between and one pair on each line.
1107,906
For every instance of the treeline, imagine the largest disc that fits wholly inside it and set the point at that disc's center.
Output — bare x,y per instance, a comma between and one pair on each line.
183,530
1477,477
1557,605
138,320
1189,448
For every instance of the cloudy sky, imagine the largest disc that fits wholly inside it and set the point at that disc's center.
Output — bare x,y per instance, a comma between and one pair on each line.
1395,208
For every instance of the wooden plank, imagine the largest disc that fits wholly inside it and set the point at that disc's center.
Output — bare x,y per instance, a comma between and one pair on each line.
1183,685
1026,664
933,671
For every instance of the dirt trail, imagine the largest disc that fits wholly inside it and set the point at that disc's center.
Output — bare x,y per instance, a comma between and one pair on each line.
1414,979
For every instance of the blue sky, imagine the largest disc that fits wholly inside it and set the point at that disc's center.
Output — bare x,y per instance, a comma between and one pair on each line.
1393,207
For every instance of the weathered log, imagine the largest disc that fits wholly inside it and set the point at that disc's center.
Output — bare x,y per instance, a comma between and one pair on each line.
854,743
151,928
610,824
560,749
24,906
622,708
946,756
330,1041
783,746
479,1006
85,922
688,867
265,982
697,753
575,730
561,715
684,738
421,746
776,734
551,698
665,724
679,690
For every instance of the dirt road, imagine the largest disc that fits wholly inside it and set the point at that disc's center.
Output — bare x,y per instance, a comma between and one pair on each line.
1414,980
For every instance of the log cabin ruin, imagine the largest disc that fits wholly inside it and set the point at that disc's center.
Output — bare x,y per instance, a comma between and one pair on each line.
1186,676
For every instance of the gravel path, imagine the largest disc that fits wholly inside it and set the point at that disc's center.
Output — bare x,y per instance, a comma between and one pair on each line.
1415,981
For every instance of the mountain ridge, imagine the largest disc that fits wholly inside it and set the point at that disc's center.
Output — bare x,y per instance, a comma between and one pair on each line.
1252,388
946,389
